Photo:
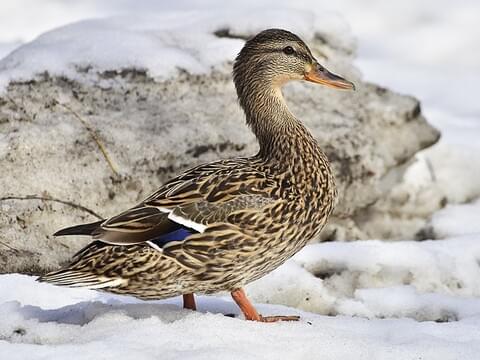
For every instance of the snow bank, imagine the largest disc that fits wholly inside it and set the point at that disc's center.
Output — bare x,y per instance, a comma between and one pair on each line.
420,298
430,280
160,44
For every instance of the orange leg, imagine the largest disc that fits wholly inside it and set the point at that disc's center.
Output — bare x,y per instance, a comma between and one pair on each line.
189,302
245,305
251,314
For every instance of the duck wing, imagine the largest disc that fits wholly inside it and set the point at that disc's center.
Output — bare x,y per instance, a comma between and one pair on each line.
187,204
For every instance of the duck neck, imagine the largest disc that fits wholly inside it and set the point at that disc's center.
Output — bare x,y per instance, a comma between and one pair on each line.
281,136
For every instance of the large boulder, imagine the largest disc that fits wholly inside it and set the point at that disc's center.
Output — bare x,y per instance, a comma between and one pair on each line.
79,145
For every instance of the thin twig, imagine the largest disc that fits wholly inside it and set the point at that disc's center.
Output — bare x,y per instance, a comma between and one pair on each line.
94,136
48,198
8,246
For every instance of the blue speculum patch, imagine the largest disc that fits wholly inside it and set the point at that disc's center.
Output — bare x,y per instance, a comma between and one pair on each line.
176,235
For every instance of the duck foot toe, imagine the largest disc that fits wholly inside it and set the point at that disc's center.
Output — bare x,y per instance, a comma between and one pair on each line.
279,318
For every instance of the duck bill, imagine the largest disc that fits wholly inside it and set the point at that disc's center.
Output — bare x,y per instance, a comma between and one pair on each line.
320,75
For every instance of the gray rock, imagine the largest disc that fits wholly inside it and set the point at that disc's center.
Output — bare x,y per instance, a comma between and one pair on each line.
54,173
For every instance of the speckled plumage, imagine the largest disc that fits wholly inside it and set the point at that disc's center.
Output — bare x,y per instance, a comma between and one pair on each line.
248,215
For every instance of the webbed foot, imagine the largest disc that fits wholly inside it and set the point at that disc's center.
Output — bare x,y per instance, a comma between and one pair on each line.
276,318
251,313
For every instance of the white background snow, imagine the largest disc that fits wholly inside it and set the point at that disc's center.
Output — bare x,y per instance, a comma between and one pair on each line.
392,300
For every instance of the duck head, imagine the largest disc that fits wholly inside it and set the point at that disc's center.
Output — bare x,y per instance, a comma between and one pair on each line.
274,57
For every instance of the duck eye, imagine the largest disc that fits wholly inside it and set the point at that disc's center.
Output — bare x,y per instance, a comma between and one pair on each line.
288,50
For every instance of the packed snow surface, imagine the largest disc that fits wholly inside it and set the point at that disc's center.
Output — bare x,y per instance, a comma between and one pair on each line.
365,300
402,300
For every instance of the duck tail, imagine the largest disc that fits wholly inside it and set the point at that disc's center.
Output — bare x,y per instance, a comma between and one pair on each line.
77,274
75,278
83,229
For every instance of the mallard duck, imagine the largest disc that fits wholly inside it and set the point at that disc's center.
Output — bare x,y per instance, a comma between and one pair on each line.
224,224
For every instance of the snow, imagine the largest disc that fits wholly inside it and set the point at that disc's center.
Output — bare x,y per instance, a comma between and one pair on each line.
160,44
420,280
433,282
390,300
45,322
456,220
